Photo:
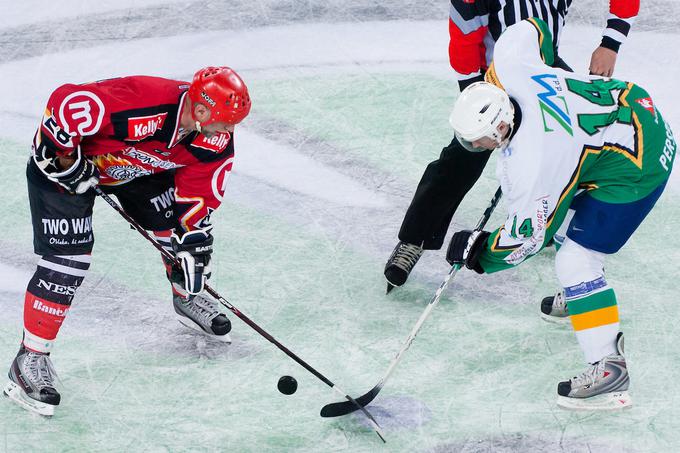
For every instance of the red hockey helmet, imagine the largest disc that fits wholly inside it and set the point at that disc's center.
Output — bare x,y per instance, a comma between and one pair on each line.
223,92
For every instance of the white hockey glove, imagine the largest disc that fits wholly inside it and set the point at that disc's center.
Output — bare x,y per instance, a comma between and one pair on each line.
193,249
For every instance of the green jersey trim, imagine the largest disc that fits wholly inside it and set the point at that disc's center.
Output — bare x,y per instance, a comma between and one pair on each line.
545,42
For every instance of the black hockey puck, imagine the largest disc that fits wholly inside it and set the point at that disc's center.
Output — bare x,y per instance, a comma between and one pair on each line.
287,385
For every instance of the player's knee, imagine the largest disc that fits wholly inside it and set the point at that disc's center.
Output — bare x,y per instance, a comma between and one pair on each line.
576,264
57,277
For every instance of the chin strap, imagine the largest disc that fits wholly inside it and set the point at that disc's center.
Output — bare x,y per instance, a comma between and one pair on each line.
198,126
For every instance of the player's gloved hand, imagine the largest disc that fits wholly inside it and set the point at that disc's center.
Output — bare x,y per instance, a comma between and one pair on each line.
80,177
465,248
193,249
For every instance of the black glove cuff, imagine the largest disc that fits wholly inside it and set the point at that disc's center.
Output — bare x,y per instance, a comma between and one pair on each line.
196,243
472,261
80,173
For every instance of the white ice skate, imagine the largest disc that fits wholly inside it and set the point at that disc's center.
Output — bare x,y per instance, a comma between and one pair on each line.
602,387
32,381
554,309
200,313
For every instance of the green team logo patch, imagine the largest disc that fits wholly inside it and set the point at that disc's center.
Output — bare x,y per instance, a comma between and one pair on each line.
553,106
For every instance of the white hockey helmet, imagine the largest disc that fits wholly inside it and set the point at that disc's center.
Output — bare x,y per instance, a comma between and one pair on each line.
477,113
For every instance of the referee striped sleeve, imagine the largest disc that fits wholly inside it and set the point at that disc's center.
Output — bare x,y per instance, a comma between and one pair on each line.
622,14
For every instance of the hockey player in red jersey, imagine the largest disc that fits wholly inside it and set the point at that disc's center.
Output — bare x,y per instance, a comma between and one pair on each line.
164,148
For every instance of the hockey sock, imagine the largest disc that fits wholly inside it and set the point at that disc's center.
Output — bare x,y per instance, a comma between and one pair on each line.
48,297
173,273
595,317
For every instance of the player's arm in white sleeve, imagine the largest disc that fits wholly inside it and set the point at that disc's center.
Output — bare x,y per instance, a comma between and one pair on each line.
525,230
537,205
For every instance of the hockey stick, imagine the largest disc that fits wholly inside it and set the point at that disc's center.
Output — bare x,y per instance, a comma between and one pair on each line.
240,315
343,408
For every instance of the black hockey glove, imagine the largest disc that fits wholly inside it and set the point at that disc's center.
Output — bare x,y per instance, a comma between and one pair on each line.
193,249
80,178
465,248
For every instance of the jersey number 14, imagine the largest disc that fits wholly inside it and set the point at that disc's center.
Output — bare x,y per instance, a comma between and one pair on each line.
599,92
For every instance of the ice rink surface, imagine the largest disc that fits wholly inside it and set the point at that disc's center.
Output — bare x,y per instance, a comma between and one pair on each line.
350,102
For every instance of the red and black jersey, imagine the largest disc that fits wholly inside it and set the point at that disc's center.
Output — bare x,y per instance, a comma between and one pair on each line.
476,25
130,127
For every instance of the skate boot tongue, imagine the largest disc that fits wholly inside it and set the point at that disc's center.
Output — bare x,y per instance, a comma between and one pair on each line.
401,262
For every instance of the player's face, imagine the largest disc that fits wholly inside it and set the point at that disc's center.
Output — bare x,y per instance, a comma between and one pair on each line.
485,143
492,143
211,129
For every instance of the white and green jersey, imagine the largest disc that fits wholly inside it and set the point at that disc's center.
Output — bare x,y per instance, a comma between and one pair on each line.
576,132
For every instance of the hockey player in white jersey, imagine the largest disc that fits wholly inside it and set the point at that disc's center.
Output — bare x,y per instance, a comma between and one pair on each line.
594,145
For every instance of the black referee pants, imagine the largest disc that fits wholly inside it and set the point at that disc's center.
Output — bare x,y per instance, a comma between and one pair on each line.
441,189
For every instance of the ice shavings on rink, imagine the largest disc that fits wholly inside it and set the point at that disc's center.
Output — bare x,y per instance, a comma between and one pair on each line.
397,413
348,108
269,161
13,280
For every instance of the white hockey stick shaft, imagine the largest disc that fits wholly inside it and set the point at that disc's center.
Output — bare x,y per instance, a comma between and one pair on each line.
437,295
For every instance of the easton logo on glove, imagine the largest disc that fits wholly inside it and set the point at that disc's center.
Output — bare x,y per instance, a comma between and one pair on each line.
80,177
465,248
193,250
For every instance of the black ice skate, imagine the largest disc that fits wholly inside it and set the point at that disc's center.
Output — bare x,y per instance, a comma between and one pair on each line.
603,386
32,382
200,313
554,309
401,263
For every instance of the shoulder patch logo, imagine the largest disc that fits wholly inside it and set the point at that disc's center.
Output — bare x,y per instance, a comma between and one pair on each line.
647,104
82,112
217,143
141,127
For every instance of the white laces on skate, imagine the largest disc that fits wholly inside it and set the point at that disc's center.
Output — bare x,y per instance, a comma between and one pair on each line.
203,308
40,370
560,302
590,376
407,256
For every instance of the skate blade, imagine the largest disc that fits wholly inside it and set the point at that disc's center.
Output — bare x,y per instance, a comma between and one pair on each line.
607,402
186,322
562,321
17,394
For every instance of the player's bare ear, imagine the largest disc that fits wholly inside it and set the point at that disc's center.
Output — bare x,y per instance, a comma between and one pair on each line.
201,112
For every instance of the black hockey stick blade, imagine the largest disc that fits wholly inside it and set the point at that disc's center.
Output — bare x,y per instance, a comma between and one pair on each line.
390,287
347,407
